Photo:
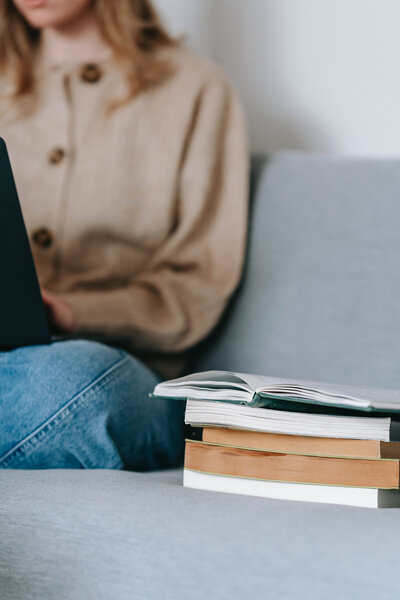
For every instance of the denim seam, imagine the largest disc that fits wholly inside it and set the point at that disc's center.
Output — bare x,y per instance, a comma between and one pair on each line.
44,431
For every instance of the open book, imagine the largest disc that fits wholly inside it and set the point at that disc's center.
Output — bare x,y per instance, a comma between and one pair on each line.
280,394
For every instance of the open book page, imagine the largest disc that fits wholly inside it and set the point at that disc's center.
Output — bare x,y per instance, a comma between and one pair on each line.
209,385
241,387
329,393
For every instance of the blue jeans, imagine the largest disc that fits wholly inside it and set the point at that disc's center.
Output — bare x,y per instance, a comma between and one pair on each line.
80,404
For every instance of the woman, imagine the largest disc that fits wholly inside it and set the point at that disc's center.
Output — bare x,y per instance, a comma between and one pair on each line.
129,155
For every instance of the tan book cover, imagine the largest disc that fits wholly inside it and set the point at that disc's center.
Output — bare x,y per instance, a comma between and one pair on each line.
298,444
274,466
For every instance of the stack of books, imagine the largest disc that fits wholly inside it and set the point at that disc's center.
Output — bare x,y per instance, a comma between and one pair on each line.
291,440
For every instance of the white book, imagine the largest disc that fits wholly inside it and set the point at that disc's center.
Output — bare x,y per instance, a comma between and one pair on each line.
222,414
274,392
327,494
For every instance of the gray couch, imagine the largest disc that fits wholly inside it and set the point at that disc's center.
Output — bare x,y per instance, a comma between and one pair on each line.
320,299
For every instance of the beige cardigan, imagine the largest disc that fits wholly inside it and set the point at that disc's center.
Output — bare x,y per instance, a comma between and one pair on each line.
137,219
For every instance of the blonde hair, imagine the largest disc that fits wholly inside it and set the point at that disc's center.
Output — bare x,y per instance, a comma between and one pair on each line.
132,28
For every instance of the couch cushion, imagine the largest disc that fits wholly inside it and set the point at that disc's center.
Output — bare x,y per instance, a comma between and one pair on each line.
101,535
320,295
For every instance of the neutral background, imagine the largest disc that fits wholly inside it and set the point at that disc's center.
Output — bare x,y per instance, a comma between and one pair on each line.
318,75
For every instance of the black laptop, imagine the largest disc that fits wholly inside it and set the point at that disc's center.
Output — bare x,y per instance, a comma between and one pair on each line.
23,320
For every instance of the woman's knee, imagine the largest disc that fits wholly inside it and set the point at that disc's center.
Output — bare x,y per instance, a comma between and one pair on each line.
87,405
68,362
44,387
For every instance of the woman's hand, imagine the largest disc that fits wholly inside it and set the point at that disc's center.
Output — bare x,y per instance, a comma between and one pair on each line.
61,315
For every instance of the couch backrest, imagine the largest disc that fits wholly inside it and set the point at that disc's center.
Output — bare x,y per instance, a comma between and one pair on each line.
320,297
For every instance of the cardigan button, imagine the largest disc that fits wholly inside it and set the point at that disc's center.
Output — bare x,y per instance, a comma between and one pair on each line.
56,155
90,73
42,237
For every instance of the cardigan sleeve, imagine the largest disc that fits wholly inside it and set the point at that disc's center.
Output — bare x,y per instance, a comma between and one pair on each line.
179,297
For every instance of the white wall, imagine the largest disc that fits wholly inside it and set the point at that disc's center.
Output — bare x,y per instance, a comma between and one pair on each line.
193,17
319,75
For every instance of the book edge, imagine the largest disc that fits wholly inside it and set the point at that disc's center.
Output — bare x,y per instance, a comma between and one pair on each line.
317,455
371,497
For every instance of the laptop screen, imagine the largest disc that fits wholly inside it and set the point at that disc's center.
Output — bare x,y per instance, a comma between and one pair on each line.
23,319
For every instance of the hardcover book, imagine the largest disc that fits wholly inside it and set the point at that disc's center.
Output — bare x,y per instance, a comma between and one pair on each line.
327,494
298,444
292,468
